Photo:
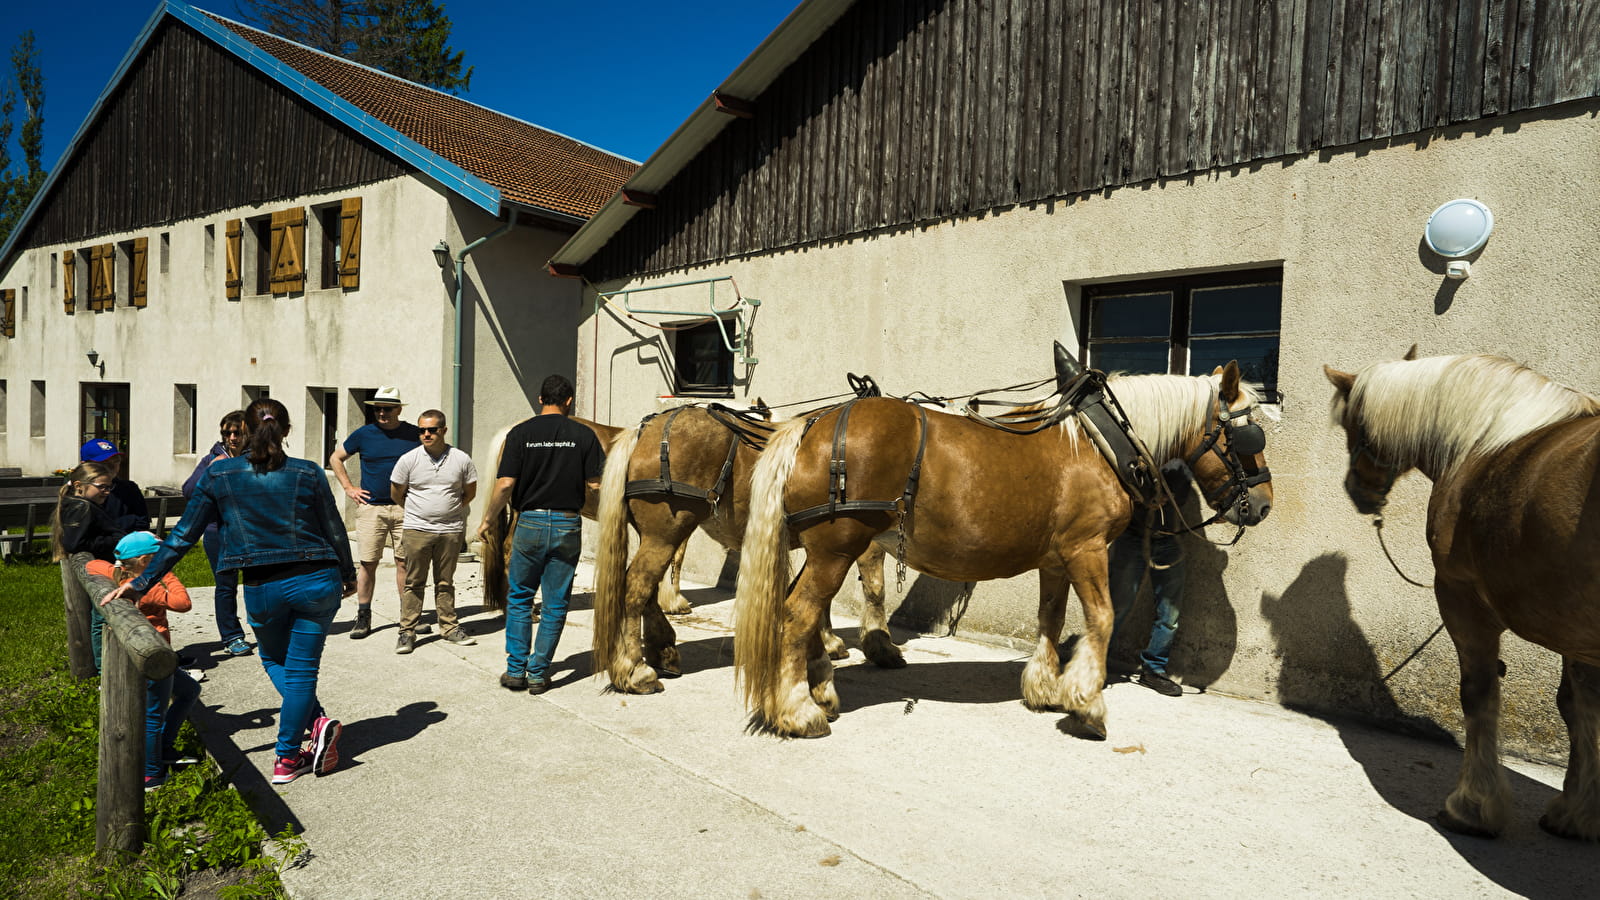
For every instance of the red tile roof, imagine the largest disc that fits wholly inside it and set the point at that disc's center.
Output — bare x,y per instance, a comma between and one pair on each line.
528,164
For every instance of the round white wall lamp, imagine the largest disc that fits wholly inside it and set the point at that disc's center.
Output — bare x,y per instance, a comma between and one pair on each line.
1458,228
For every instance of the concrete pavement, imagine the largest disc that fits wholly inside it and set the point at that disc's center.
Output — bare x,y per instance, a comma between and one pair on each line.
935,782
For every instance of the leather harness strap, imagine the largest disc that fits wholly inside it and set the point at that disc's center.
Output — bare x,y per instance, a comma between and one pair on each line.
838,498
666,485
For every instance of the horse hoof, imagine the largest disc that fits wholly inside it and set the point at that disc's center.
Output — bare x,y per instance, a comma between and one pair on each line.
1451,822
1562,827
640,680
671,663
677,606
883,653
840,652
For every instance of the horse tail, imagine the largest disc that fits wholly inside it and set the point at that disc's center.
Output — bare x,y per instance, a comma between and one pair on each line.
611,556
764,574
493,549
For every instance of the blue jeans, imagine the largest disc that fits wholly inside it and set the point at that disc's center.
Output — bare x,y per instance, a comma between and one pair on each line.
544,555
227,592
1127,573
162,721
291,618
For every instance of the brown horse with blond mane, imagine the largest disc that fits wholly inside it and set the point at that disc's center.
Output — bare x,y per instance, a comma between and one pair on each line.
1514,527
988,503
707,456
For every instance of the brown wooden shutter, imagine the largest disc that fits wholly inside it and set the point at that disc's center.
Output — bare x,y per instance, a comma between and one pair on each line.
234,246
8,314
108,276
292,263
69,275
97,277
138,283
350,243
275,255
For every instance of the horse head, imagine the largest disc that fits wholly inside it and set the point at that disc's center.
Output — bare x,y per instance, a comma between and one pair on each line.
1229,461
1369,477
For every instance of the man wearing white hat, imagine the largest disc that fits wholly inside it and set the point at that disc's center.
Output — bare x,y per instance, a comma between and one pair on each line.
379,521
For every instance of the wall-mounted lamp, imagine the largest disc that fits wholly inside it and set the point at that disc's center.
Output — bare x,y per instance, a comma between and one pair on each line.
94,360
441,254
1458,229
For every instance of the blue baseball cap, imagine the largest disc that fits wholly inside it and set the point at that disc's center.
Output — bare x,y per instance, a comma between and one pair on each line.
98,450
138,543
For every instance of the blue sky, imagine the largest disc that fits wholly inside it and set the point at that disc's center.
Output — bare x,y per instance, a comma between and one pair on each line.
619,74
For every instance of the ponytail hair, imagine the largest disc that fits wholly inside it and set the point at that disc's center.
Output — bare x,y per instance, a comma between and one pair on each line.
86,471
268,423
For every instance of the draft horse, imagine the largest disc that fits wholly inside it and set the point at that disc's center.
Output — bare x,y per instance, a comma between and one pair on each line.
496,549
985,503
677,471
1514,529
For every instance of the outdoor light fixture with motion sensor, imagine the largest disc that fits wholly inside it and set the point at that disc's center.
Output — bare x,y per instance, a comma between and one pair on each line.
1458,229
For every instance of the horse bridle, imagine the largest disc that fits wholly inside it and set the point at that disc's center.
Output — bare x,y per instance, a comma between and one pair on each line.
1391,471
1248,439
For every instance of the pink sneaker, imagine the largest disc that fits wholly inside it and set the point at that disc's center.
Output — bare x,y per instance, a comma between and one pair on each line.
325,744
288,768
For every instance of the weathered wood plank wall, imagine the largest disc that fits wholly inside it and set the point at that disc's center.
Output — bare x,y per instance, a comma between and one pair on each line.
916,110
193,130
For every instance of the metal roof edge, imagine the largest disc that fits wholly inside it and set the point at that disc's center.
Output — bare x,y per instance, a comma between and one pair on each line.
783,46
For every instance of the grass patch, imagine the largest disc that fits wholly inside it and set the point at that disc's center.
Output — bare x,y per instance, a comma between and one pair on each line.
200,829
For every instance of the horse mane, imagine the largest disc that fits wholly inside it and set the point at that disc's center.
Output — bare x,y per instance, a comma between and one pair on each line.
1442,410
1168,411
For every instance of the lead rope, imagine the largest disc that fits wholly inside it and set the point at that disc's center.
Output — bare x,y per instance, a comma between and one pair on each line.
1377,522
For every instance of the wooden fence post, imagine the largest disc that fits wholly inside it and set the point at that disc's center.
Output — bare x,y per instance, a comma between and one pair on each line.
80,655
132,655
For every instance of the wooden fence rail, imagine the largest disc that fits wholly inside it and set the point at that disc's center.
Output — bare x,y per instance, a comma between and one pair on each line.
133,654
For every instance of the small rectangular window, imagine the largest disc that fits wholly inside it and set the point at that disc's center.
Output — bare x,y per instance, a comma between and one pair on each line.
36,407
5,407
183,418
1189,325
211,250
360,413
53,270
254,392
702,360
166,250
259,231
322,423
106,408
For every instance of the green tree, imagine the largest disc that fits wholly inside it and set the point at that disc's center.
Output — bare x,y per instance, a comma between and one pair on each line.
407,38
17,188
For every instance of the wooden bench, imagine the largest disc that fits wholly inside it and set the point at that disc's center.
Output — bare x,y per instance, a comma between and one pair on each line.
32,516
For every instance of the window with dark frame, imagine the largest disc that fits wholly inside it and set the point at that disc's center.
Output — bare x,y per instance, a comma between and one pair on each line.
105,414
261,231
702,362
1189,325
328,220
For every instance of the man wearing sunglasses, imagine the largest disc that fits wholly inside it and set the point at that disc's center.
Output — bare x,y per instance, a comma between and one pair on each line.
434,484
226,596
378,521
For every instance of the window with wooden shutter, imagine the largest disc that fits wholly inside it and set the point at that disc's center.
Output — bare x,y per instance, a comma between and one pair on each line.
8,312
69,272
102,276
234,246
138,282
288,253
350,241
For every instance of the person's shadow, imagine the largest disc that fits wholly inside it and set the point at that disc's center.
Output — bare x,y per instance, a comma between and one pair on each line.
369,734
1330,671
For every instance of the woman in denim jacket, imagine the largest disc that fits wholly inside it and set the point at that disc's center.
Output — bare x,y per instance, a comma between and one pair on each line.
281,530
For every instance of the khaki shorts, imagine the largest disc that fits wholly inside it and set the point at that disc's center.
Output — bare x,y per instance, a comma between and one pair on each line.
378,527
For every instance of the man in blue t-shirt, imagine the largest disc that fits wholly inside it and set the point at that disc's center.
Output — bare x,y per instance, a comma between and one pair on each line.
379,522
547,465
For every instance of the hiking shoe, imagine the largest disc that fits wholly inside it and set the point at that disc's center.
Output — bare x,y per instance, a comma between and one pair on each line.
198,675
406,643
151,782
176,759
363,625
513,682
459,637
325,744
424,629
538,685
288,768
239,647
1160,683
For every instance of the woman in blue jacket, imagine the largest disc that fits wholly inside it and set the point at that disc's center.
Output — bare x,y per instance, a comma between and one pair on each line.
226,594
281,529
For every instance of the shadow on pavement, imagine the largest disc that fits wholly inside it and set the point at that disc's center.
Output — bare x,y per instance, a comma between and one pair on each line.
217,730
1316,635
369,734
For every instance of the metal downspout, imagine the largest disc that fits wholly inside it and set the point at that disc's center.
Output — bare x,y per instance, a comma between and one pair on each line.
455,374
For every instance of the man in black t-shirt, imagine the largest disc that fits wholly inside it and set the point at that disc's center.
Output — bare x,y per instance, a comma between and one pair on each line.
547,464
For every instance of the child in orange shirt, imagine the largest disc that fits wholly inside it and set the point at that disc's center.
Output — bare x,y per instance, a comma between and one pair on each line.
168,700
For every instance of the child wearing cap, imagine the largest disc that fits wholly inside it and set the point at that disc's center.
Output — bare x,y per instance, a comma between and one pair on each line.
126,503
167,700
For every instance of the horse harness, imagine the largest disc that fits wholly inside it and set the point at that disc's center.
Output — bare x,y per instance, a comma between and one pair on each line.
1243,440
747,428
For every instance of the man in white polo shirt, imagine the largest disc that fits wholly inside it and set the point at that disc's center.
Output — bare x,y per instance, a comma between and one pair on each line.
434,484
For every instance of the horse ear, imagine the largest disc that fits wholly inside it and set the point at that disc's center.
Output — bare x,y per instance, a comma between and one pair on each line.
1343,381
1229,389
1410,354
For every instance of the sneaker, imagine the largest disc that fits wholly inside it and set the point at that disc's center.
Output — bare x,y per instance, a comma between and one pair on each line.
325,744
151,782
177,759
406,643
1160,683
239,647
538,685
198,675
424,629
363,625
460,638
288,768
513,682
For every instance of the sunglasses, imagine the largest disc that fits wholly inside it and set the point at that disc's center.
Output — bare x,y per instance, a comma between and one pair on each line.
96,484
232,433
431,429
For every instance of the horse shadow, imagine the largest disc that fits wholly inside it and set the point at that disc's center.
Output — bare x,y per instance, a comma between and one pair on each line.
1331,672
1208,628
